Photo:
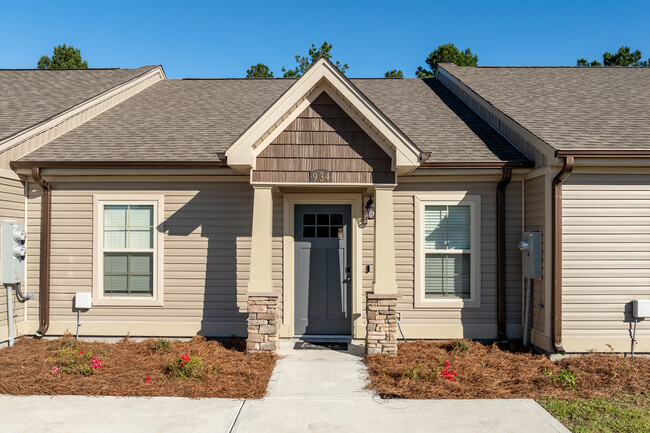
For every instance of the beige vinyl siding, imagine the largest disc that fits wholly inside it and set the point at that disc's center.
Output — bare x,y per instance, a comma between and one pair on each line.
12,208
448,322
606,259
207,231
535,207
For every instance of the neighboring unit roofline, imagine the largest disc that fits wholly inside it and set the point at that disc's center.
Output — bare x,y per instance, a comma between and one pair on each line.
116,164
524,132
25,133
478,164
65,69
609,153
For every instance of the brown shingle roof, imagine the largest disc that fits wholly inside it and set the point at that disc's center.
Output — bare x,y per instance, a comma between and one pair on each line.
569,108
193,120
29,97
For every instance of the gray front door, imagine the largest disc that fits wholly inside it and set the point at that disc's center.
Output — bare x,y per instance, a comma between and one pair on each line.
322,280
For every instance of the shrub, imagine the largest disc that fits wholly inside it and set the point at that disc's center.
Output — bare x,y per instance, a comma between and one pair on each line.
416,372
447,373
186,367
70,359
565,377
460,346
161,345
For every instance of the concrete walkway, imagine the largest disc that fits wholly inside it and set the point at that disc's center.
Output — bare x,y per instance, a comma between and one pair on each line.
310,391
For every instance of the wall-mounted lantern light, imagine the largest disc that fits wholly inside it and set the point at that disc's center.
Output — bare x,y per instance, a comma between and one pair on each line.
370,209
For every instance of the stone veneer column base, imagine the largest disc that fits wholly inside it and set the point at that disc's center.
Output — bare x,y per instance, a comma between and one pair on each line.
262,322
381,311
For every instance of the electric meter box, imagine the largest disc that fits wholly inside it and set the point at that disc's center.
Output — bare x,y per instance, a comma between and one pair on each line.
13,252
531,251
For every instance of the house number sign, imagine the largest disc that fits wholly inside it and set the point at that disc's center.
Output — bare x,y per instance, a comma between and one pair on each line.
320,176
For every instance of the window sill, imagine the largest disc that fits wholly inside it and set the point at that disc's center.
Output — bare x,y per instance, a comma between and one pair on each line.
446,304
120,301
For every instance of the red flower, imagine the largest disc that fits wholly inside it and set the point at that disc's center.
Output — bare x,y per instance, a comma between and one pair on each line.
147,379
80,353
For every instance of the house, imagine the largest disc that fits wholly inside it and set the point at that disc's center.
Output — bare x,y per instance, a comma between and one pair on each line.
333,207
37,106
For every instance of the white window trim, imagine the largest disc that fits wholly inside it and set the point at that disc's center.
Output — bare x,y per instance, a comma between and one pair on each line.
99,298
448,199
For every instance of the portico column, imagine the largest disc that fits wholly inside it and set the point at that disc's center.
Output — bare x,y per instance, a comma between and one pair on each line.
262,300
260,271
381,305
385,278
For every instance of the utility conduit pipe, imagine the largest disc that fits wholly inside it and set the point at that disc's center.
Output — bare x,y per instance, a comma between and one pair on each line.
10,313
501,253
527,311
569,163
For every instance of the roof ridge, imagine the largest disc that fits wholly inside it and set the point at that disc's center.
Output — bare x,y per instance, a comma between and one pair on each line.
80,69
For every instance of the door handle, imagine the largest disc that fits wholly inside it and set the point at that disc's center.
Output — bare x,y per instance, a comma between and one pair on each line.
349,277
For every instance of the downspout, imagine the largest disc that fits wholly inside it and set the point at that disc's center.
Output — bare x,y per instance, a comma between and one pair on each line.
44,290
569,163
501,253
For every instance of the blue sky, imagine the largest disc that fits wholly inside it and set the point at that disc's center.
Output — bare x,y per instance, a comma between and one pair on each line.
222,39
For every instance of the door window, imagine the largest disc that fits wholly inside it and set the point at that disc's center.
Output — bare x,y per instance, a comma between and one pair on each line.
322,225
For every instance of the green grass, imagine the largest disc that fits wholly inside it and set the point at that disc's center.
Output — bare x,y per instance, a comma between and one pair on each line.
621,414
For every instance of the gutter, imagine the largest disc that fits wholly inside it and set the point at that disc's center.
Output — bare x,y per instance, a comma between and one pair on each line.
603,153
501,253
478,164
46,238
569,163
116,164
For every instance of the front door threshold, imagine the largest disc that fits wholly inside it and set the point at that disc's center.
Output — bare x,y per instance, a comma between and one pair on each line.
324,338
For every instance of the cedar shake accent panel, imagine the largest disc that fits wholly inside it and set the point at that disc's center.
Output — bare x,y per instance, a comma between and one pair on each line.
324,137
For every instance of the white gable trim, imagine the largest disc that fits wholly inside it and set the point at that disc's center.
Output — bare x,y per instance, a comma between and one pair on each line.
323,76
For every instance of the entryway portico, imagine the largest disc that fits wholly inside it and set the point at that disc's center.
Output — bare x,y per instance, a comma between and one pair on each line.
324,145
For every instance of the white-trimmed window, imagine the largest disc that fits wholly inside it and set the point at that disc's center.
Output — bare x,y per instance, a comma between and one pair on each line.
128,252
447,250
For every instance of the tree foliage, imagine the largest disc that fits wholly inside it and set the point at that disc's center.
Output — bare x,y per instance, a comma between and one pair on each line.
395,73
259,71
304,62
623,57
446,53
64,57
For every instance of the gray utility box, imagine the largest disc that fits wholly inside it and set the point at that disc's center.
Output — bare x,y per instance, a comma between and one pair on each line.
13,252
531,260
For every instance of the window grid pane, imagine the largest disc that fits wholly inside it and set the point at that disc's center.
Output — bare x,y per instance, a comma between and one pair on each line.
447,276
323,225
447,231
128,273
447,227
128,227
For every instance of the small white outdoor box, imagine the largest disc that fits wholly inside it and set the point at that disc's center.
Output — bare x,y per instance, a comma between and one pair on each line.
641,308
83,301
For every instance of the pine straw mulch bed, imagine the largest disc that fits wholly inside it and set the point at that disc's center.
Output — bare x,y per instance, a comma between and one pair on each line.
490,371
127,368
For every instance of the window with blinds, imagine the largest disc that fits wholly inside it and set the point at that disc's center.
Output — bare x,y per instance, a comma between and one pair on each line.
128,249
447,251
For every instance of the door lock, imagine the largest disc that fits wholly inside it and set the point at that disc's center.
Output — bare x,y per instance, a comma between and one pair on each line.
347,272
